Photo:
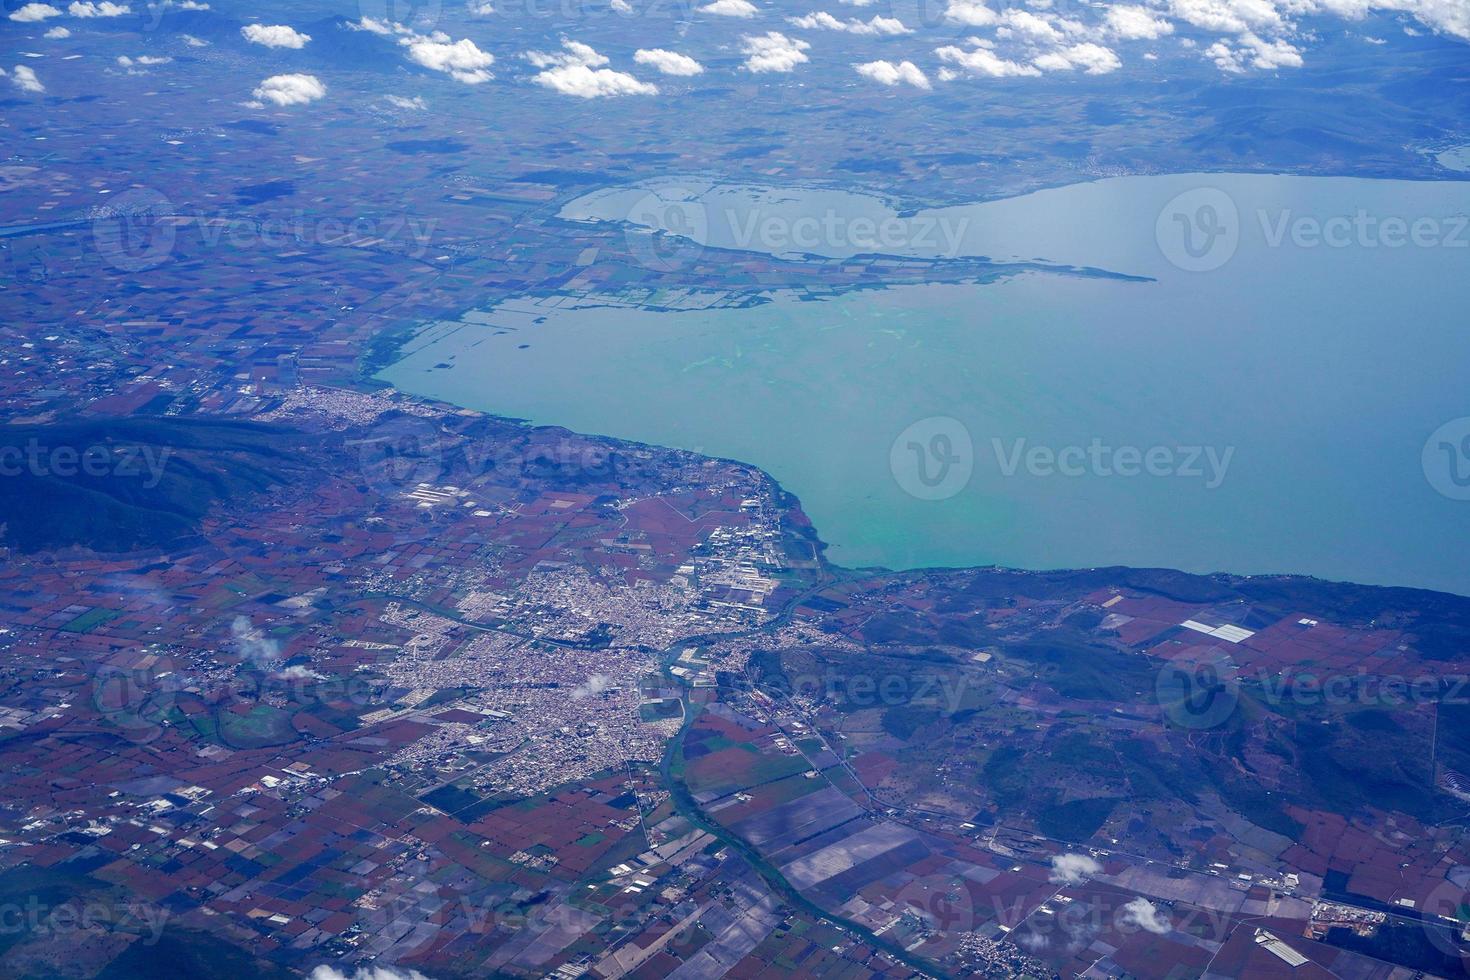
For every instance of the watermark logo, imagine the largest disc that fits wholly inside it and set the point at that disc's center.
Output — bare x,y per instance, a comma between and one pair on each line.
564,461
1205,694
1446,459
97,461
422,15
933,459
36,917
138,230
1445,918
942,903
679,12
399,453
134,700
835,233
860,689
927,13
1207,464
1199,230
410,235
133,232
1362,229
666,229
1305,689
173,11
1198,695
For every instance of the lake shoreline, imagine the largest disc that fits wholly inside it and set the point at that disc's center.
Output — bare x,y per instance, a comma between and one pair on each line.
1092,358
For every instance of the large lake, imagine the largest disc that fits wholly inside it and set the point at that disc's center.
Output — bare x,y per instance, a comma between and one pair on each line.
1271,395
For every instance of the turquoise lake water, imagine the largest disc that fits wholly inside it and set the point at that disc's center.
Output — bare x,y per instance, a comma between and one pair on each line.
1278,395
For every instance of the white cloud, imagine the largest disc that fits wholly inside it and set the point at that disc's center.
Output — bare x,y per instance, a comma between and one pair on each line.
1271,17
1036,29
1091,58
56,33
1255,53
1444,16
982,61
104,9
25,79
1133,23
1272,54
134,65
818,19
284,90
592,83
973,13
773,52
194,42
462,60
888,73
275,36
33,13
404,102
595,684
375,972
1072,869
668,62
1262,34
576,70
1140,913
1037,41
877,25
621,6
572,53
729,8
1227,16
251,643
382,28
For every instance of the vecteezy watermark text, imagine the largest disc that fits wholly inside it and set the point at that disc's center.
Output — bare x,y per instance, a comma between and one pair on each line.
833,231
1201,229
98,460
670,227
1362,229
934,459
139,230
1206,694
33,917
860,689
1097,458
